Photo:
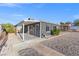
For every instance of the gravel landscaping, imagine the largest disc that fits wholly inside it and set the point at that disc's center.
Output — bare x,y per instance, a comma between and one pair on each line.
29,52
67,44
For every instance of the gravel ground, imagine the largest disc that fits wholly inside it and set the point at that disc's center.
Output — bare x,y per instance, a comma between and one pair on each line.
29,52
67,44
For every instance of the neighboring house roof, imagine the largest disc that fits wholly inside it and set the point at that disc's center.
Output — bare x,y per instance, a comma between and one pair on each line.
65,25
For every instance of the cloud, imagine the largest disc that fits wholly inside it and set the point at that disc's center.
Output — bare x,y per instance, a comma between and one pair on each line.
68,9
11,18
76,16
9,5
11,15
17,15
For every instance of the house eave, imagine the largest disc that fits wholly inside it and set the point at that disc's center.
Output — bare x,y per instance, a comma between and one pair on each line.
33,21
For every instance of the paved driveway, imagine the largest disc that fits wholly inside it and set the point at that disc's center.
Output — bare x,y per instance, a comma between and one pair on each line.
36,48
67,44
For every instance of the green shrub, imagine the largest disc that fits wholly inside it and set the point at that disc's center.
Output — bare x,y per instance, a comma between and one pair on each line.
9,27
55,32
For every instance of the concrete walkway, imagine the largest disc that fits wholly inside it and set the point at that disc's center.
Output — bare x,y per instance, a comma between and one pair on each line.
8,48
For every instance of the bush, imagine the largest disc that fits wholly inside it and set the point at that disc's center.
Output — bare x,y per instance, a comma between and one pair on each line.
9,27
55,32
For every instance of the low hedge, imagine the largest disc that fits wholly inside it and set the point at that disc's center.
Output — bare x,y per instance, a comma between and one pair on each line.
55,32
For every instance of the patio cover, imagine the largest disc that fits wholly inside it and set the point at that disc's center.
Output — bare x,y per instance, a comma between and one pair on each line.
26,22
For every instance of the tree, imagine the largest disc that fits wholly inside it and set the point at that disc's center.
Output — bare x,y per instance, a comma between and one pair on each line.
62,23
76,22
68,23
65,23
9,27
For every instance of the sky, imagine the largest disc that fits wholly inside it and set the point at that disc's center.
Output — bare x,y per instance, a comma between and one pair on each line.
49,12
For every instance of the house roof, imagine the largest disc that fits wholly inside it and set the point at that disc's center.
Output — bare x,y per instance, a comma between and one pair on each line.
26,22
30,21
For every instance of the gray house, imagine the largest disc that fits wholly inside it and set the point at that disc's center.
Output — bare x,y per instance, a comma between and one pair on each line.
35,28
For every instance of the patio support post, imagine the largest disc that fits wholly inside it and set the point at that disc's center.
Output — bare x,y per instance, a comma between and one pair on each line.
28,29
28,33
23,32
40,29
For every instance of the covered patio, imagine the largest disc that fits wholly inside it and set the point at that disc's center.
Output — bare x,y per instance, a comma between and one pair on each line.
29,29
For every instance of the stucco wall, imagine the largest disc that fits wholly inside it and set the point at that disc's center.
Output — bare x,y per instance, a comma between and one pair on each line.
43,28
19,28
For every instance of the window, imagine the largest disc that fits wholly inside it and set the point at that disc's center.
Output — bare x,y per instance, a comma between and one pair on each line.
47,28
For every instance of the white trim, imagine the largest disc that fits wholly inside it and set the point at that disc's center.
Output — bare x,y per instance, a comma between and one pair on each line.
31,20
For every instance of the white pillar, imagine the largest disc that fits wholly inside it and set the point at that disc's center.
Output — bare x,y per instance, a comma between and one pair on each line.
40,29
28,33
23,32
28,29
